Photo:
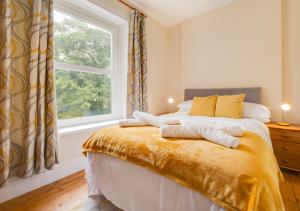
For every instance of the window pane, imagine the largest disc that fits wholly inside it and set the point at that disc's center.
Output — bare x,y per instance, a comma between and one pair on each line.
81,94
77,42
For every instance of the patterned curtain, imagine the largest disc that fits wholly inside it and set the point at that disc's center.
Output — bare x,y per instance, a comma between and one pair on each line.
137,64
27,113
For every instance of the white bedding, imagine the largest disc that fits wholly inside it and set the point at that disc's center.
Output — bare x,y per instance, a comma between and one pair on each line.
134,188
246,124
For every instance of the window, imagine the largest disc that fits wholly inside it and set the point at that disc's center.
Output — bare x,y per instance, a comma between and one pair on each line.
88,81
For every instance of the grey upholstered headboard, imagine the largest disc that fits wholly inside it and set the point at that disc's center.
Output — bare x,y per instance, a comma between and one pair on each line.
252,94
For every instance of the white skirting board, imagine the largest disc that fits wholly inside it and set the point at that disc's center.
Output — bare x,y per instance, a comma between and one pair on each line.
16,186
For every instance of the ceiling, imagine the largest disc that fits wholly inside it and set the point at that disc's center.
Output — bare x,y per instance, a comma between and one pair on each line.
172,12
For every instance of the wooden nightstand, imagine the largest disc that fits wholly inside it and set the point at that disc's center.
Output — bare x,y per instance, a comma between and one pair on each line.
286,145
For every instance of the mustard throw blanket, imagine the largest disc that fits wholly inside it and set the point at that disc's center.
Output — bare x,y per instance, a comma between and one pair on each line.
245,178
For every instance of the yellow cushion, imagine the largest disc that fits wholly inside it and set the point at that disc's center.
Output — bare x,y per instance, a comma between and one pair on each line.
230,106
204,106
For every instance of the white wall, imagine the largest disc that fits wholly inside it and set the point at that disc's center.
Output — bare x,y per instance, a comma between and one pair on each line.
157,49
70,145
174,67
238,45
291,57
246,43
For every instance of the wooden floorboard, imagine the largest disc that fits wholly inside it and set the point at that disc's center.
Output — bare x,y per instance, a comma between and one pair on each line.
70,191
296,187
288,192
61,195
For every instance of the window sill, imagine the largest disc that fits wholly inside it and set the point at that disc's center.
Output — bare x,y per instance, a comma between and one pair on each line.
86,127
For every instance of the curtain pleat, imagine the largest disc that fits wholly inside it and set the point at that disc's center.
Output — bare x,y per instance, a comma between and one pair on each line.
5,69
137,64
28,139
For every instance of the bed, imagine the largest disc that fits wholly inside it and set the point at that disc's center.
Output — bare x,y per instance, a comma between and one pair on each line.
133,187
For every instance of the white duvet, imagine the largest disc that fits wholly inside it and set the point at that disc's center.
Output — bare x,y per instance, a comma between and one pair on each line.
134,188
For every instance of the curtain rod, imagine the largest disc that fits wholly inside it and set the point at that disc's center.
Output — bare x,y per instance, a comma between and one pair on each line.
131,7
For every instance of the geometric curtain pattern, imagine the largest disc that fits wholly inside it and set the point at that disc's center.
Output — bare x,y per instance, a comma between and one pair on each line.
28,137
137,64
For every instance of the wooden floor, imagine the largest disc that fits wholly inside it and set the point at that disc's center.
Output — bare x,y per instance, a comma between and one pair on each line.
65,194
62,195
290,190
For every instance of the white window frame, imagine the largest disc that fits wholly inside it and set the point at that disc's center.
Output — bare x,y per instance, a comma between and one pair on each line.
93,14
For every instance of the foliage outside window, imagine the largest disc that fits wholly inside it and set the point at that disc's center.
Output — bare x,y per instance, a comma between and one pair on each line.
83,62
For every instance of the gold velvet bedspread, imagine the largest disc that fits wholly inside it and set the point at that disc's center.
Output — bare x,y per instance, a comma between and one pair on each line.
245,178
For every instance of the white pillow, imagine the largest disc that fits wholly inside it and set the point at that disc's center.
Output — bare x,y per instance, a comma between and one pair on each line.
257,111
185,105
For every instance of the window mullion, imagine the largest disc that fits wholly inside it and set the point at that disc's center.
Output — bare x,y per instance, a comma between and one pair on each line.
80,68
